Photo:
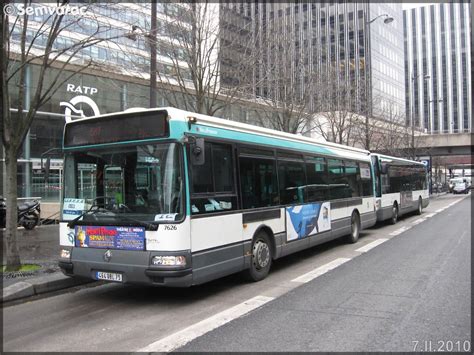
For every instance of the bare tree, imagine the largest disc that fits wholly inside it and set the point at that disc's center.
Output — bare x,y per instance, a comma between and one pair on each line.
24,42
335,114
208,56
386,133
287,84
288,100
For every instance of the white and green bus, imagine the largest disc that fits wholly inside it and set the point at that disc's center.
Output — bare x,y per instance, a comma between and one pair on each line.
173,198
401,186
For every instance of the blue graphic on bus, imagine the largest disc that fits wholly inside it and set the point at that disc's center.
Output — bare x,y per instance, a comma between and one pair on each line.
305,220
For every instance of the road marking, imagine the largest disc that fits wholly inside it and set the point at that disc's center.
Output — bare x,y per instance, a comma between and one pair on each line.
369,246
400,230
419,220
184,336
440,210
430,215
320,270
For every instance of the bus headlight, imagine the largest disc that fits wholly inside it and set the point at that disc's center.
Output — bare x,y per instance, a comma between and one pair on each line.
65,254
171,260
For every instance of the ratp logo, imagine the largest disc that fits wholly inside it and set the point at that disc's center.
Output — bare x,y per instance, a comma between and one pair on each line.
70,107
60,10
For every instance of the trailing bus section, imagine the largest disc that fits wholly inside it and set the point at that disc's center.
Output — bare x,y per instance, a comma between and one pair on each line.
172,198
401,186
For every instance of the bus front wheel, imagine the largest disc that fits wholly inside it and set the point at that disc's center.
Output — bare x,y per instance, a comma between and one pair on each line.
261,258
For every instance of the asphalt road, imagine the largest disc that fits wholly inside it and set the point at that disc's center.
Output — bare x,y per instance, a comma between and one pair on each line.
411,293
414,287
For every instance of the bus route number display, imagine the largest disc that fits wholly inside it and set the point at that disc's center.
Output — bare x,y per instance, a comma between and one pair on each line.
117,128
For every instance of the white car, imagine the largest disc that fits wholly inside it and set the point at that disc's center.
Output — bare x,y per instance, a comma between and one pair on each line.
460,188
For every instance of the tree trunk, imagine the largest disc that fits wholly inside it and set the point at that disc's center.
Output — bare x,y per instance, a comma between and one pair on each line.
13,253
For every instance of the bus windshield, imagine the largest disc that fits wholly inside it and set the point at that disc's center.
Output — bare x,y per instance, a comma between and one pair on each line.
141,182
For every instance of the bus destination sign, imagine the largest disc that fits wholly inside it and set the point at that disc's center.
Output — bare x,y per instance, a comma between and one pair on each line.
117,128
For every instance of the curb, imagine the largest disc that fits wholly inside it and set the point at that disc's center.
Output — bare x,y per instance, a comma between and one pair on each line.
40,285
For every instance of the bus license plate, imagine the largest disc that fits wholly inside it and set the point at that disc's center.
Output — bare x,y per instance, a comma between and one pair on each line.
109,276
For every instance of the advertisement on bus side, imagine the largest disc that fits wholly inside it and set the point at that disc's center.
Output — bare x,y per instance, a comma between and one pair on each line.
305,220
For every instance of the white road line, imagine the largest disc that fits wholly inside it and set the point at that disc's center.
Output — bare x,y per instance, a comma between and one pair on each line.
430,215
369,246
320,270
184,336
400,230
440,210
419,220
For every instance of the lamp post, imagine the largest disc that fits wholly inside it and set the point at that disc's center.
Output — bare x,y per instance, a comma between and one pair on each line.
413,78
151,41
388,19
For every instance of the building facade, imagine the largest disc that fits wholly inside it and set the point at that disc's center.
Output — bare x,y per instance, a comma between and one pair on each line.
438,67
306,45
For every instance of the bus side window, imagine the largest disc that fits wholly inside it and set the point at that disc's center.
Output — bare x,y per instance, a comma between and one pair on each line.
258,182
352,178
365,179
213,182
317,180
202,174
337,183
291,176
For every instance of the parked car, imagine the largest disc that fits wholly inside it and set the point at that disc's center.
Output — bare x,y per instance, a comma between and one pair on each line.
454,181
460,188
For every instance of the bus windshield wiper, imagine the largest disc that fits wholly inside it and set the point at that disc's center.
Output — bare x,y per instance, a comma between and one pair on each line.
90,211
149,226
72,223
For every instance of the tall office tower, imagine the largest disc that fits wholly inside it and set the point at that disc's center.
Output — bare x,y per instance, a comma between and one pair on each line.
304,43
438,67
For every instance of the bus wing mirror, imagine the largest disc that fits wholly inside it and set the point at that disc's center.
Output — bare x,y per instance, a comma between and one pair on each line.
197,152
384,169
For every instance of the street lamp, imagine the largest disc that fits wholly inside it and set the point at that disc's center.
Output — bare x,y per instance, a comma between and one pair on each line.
413,78
151,39
387,19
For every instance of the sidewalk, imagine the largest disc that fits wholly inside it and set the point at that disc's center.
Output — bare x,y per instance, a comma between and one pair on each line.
41,247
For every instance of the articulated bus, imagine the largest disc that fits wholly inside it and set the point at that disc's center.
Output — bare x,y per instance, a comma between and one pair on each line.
171,198
401,186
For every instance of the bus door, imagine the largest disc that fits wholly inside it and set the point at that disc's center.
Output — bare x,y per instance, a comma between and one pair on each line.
213,199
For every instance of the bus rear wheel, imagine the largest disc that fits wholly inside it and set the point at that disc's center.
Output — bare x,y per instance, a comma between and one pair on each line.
394,218
420,207
261,258
355,228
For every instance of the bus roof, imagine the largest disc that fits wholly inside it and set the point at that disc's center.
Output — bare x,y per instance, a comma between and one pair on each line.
182,115
388,159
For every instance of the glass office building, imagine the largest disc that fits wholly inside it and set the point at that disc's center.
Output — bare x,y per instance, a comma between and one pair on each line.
438,67
304,39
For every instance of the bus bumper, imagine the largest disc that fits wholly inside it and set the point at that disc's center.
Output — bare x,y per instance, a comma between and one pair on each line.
135,267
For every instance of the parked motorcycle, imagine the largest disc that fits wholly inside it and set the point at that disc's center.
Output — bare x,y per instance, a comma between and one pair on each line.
28,214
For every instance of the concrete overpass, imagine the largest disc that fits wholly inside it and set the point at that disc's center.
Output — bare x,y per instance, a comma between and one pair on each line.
451,151
445,144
